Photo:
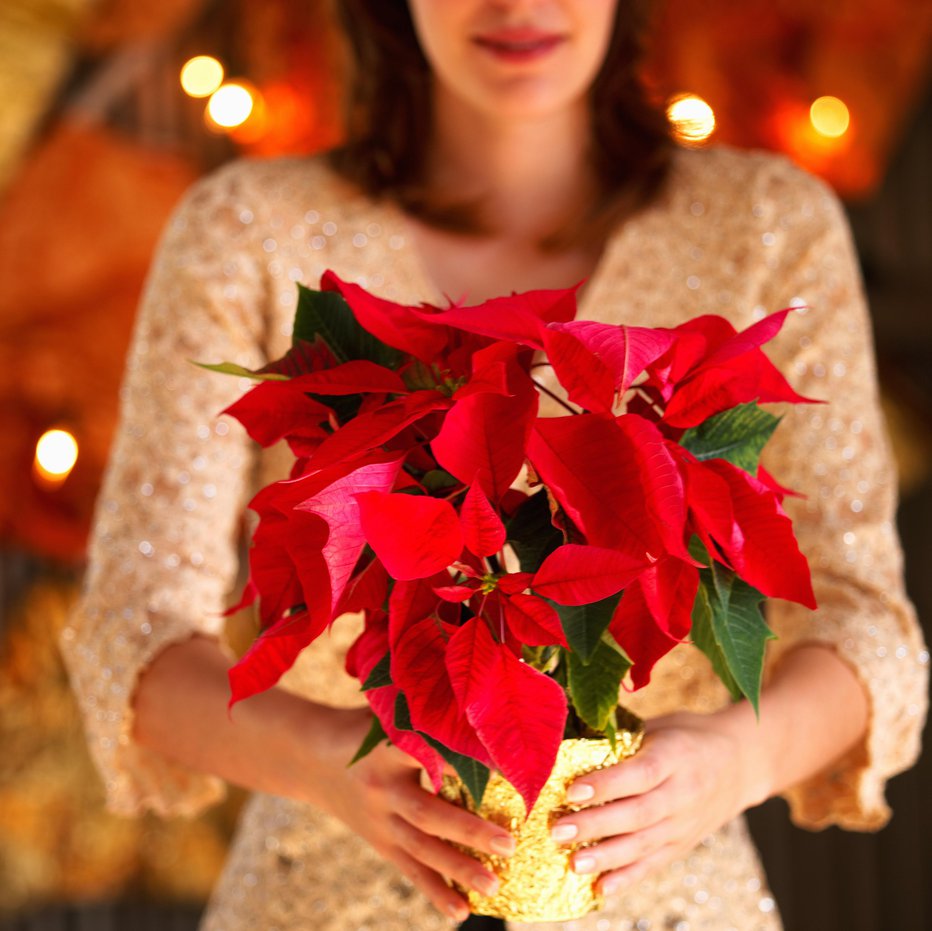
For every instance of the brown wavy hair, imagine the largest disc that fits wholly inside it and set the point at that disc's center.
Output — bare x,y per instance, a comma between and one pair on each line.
388,120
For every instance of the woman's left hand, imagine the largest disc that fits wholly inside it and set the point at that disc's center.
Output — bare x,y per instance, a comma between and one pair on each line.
693,774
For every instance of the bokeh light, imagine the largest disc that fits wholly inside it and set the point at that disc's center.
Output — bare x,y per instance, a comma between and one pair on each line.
201,76
231,105
56,455
692,119
830,117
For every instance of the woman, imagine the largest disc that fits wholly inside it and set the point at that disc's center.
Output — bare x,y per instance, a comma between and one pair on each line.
495,146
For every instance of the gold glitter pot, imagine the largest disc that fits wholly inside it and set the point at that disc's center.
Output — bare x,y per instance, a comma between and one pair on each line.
537,883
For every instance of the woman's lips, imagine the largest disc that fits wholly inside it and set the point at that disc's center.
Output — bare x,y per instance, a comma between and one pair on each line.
518,45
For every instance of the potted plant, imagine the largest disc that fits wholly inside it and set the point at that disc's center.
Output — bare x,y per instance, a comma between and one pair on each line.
503,616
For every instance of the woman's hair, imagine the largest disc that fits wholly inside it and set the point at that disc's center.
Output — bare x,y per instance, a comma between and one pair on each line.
388,120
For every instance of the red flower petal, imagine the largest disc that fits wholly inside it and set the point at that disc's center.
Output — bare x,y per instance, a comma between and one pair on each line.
592,469
761,546
419,670
624,350
367,590
578,575
272,654
369,431
669,588
455,594
414,536
351,378
637,634
766,479
272,409
405,328
518,318
337,504
410,602
483,437
367,650
515,582
483,530
661,482
518,712
533,621
588,381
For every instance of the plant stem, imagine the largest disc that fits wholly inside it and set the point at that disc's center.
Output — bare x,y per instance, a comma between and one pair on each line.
556,398
656,408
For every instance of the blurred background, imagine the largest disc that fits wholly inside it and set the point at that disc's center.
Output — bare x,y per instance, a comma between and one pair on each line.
109,109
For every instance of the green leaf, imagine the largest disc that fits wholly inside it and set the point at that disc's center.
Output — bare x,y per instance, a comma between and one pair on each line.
531,532
698,551
703,636
737,435
611,732
729,628
438,480
402,713
594,687
231,368
380,674
585,624
345,406
375,736
327,315
474,774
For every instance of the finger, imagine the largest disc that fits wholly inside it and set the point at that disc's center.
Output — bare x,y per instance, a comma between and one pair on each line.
443,858
624,850
432,885
635,776
440,818
617,881
393,755
622,817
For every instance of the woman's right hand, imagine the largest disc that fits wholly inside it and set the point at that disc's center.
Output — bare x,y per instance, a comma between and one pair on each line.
279,743
382,800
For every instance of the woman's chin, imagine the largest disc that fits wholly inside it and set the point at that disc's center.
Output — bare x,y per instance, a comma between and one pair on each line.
518,99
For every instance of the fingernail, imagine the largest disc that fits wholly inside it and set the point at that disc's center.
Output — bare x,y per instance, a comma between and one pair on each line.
564,832
579,792
457,912
584,864
503,844
485,884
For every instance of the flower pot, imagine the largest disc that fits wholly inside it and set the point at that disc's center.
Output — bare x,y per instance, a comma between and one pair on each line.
537,883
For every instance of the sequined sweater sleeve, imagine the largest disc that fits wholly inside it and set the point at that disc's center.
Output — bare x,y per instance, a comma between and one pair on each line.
837,455
162,553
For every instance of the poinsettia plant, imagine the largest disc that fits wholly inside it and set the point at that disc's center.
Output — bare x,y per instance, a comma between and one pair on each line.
500,619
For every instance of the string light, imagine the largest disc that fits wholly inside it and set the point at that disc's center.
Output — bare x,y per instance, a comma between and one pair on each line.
830,117
56,455
692,119
231,105
201,76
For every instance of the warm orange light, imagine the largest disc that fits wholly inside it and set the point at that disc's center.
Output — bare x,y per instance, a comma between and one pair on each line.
830,117
692,119
201,76
231,105
56,455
